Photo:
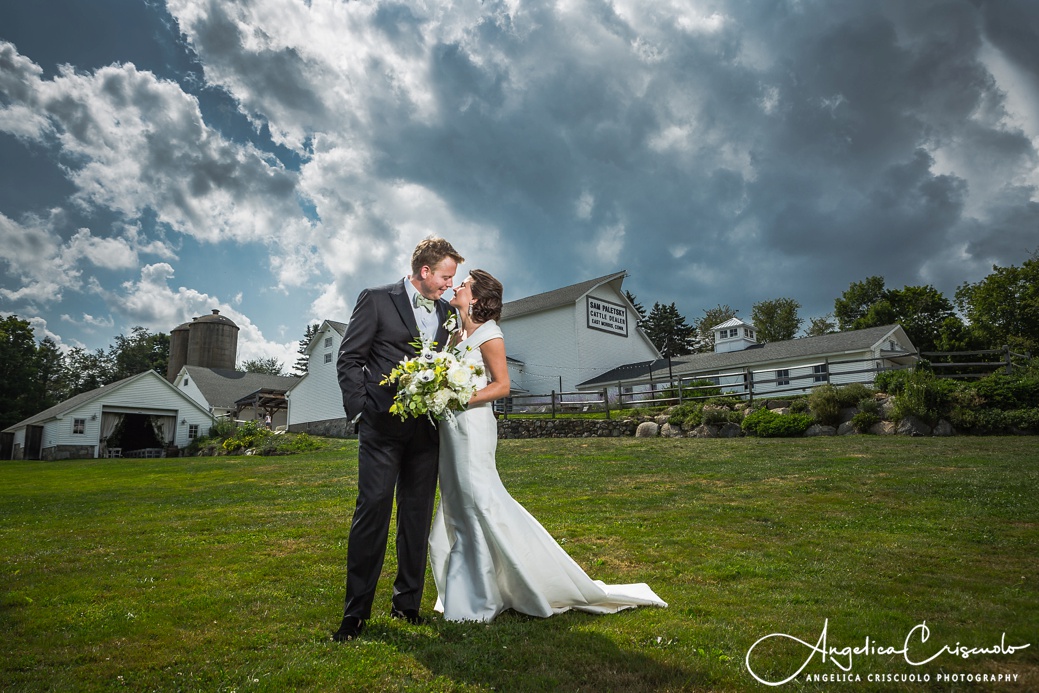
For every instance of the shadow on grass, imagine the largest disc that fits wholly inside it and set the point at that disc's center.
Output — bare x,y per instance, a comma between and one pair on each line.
521,653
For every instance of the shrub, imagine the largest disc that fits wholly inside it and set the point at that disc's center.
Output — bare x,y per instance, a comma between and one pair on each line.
717,414
290,443
768,424
825,404
249,434
800,406
868,405
978,421
223,428
1023,419
864,420
686,413
891,382
700,388
1008,391
924,396
853,393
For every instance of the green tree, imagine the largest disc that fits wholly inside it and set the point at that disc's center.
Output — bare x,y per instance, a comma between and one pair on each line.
712,317
922,311
87,370
271,366
820,326
856,302
302,362
1003,308
50,374
641,320
20,390
141,351
776,320
668,331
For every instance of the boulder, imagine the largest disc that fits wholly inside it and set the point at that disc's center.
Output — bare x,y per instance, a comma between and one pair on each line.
848,413
777,404
887,407
661,419
667,432
912,426
820,430
779,410
647,429
847,429
884,428
704,431
943,428
730,430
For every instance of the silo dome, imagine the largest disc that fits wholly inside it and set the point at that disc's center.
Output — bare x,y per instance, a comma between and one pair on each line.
212,342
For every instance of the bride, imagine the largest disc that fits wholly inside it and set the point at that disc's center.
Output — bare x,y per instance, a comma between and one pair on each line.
488,553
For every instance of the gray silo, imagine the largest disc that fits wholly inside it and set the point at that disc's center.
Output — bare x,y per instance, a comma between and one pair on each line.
212,342
178,350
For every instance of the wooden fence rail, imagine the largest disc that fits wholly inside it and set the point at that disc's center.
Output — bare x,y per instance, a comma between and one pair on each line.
751,384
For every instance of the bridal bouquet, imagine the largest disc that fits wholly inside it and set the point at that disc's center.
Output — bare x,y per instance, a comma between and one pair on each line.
432,383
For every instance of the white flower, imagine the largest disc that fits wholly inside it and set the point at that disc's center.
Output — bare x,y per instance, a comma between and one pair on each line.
426,376
451,323
427,355
440,401
458,376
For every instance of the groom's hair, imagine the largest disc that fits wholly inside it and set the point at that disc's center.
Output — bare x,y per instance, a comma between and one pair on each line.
487,291
431,251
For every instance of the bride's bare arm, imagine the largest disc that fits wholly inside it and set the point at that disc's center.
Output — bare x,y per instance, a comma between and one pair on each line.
493,352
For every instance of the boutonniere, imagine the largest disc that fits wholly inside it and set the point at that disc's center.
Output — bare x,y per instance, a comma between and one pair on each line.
451,324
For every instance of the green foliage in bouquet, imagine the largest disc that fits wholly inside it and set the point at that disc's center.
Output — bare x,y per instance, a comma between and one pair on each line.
432,383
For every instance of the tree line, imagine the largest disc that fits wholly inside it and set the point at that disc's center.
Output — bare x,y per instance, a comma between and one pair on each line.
1001,309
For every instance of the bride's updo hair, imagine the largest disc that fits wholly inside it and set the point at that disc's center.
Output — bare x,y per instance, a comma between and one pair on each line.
487,292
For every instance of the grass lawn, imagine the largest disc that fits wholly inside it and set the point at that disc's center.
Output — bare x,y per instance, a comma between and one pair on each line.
227,573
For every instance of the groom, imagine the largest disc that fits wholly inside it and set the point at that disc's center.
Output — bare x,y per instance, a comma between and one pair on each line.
392,453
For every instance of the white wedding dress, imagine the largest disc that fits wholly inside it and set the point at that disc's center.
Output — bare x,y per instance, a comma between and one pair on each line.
488,553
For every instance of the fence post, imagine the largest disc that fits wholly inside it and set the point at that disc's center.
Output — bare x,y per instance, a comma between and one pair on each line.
750,386
620,396
553,404
679,390
1006,357
826,362
606,401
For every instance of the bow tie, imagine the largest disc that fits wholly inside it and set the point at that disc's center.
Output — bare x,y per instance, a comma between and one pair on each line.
423,302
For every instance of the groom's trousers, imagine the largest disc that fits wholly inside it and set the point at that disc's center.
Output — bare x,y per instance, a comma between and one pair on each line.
399,456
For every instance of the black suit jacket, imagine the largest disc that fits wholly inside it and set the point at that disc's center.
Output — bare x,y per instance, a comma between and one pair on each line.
378,337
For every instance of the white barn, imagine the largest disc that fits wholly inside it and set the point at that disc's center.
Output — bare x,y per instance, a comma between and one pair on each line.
560,338
789,367
315,401
143,406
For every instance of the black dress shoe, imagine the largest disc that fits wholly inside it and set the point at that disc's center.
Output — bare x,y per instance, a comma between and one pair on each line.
349,629
409,615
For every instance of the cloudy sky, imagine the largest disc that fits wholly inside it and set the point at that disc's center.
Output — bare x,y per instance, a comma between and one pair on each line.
270,158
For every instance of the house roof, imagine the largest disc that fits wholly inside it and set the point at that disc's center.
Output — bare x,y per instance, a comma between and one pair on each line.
566,296
339,327
806,347
732,322
222,387
86,397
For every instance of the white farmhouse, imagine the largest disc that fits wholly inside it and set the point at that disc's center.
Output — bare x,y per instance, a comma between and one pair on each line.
795,366
147,414
315,401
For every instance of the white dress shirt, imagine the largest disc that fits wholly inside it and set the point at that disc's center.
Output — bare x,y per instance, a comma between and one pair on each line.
425,319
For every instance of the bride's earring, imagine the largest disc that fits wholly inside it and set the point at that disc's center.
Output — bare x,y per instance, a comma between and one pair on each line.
470,312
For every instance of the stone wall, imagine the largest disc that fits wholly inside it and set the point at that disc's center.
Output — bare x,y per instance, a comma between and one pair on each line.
566,428
329,428
67,452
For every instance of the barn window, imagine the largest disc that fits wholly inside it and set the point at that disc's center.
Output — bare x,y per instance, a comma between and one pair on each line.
328,342
79,426
820,372
192,431
783,376
328,358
